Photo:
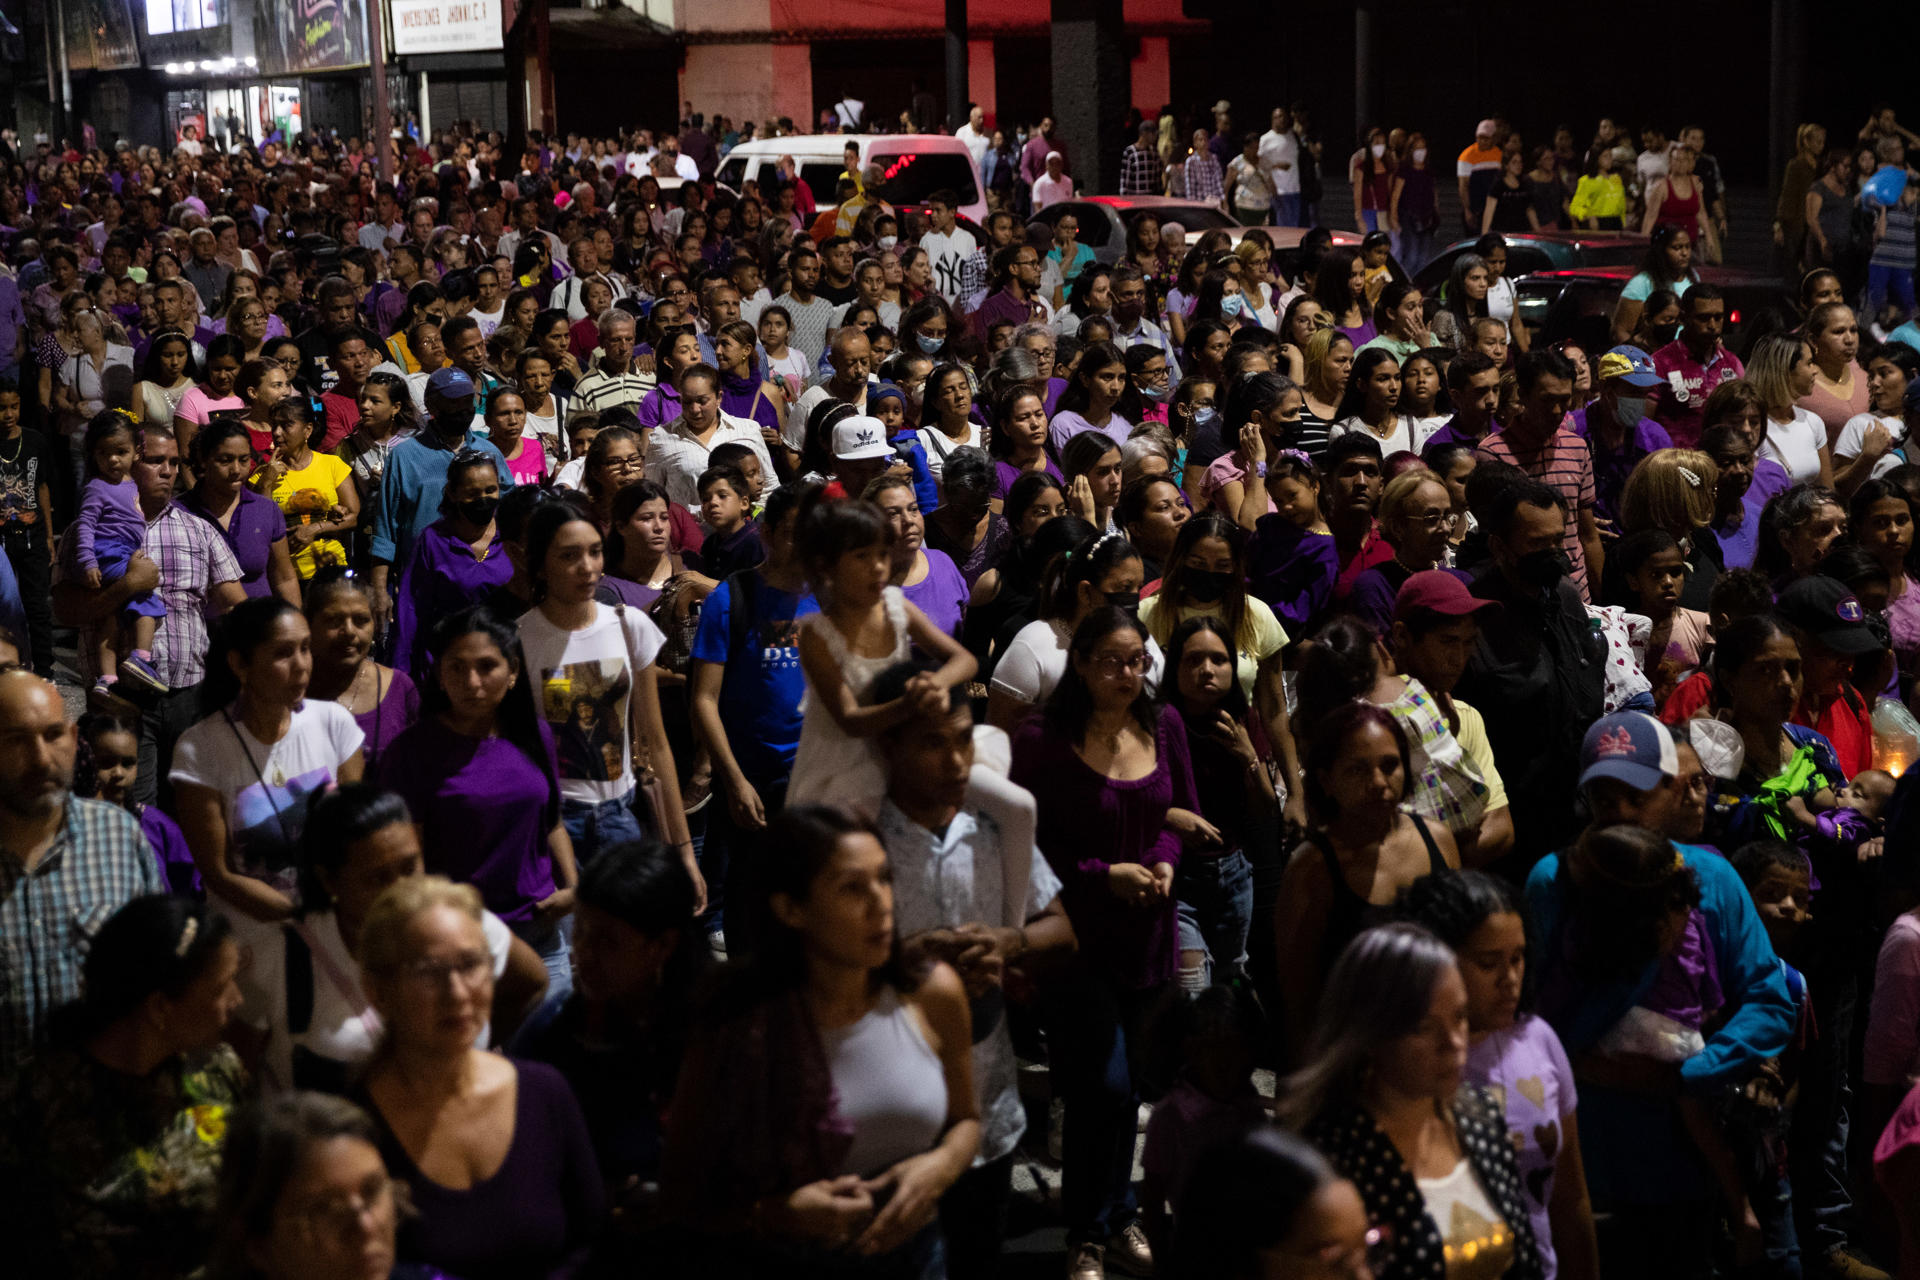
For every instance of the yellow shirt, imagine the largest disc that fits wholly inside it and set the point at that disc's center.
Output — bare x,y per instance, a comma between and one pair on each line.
306,496
1269,637
1474,744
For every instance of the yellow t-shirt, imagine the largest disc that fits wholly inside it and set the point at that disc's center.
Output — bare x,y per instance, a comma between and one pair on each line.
1473,742
1269,637
306,496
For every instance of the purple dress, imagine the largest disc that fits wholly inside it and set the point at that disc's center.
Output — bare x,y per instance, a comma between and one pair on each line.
941,595
534,1218
1087,822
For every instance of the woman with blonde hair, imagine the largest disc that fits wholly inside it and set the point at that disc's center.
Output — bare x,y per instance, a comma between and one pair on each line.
1790,215
1672,490
1329,364
1782,371
494,1152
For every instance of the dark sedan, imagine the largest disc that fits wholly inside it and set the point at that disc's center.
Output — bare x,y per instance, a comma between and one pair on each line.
1531,251
1578,305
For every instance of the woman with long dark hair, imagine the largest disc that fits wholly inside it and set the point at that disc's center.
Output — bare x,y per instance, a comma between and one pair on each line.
457,561
1109,769
383,701
1340,289
1668,265
111,1155
254,527
1102,570
827,1099
244,776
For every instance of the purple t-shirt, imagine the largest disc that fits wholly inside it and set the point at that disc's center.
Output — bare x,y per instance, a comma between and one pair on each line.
390,717
1769,478
256,525
442,577
109,527
1739,543
1005,473
942,594
1068,423
1527,1067
171,852
484,809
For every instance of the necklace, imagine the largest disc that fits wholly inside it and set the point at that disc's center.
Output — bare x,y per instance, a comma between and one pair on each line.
20,442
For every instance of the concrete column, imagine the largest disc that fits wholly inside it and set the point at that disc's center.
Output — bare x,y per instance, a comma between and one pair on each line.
1366,97
957,59
1090,89
982,84
1152,75
1785,84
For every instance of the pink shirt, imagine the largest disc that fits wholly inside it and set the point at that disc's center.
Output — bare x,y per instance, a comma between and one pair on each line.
1893,1021
1834,411
1680,404
1224,470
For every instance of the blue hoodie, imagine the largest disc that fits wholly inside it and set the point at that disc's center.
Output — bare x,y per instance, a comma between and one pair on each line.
1635,1150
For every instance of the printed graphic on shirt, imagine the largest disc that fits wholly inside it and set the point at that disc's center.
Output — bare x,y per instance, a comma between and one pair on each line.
19,491
585,704
269,818
780,641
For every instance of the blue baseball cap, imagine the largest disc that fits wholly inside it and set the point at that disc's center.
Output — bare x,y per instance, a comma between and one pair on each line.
450,382
1630,747
1631,365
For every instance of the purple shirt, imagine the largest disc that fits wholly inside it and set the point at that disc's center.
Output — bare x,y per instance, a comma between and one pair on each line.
1611,467
942,594
537,1214
442,577
484,809
1375,591
171,852
1449,434
1087,822
1068,423
1682,402
390,717
1033,156
1769,478
1002,307
1739,543
110,526
661,406
741,398
1005,473
257,524
1292,570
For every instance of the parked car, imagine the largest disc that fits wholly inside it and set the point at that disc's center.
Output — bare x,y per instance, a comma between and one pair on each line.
1531,251
1578,304
915,164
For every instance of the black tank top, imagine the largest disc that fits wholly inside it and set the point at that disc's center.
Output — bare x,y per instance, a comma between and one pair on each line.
1350,913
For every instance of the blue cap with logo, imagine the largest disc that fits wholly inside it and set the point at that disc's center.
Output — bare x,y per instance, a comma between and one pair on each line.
450,382
1630,747
1631,365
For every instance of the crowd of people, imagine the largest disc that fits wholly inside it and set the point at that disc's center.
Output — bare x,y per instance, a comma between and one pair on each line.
629,734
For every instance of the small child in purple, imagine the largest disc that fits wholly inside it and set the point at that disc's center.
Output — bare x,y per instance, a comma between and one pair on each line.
107,531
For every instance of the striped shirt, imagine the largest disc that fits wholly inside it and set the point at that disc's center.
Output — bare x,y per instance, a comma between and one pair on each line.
193,558
1203,178
1565,466
100,860
602,390
1896,247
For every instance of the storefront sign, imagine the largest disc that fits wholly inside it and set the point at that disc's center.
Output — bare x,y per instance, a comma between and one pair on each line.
292,36
445,26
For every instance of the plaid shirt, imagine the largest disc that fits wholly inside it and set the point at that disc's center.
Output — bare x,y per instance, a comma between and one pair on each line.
193,559
100,860
1203,178
1141,172
974,273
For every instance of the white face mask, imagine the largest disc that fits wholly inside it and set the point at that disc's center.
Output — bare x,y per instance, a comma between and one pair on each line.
1379,149
887,242
1419,155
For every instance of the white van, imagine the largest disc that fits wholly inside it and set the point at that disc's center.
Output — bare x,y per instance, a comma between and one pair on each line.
916,165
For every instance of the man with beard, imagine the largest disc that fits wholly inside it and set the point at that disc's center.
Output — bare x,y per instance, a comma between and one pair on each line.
63,861
416,474
1536,443
1537,671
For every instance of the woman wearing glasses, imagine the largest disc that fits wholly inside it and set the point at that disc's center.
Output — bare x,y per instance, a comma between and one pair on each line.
494,1152
1382,1091
1112,773
1417,518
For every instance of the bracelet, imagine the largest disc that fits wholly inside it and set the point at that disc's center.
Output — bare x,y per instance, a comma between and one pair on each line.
1260,469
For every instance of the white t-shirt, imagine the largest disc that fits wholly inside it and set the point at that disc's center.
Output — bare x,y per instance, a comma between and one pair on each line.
489,320
939,444
1852,440
267,789
1408,435
582,687
1037,658
1277,149
1795,445
573,475
794,431
343,1027
949,254
1047,191
1500,301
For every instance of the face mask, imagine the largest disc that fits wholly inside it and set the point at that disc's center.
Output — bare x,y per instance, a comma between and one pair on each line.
887,242
1157,395
1127,602
1543,569
929,346
1231,304
1379,149
1207,585
478,511
1419,155
1628,410
1205,416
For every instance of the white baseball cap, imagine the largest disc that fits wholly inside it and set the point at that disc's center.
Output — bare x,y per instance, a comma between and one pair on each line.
859,438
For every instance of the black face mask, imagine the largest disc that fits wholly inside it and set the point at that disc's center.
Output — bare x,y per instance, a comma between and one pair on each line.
1207,585
1543,569
478,511
1126,601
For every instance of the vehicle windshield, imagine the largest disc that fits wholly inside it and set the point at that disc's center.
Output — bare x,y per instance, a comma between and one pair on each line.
913,176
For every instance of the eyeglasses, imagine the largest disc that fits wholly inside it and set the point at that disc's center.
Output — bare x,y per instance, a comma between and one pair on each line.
470,969
338,1215
1110,666
633,463
1437,520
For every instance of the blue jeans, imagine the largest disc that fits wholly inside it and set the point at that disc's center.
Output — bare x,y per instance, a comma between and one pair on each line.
594,827
1416,249
549,942
1882,281
1215,900
1095,1033
1286,209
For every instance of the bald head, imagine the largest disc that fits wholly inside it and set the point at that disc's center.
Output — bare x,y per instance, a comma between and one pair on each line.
37,744
851,355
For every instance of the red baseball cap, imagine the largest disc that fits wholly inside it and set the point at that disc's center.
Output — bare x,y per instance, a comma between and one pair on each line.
1438,591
